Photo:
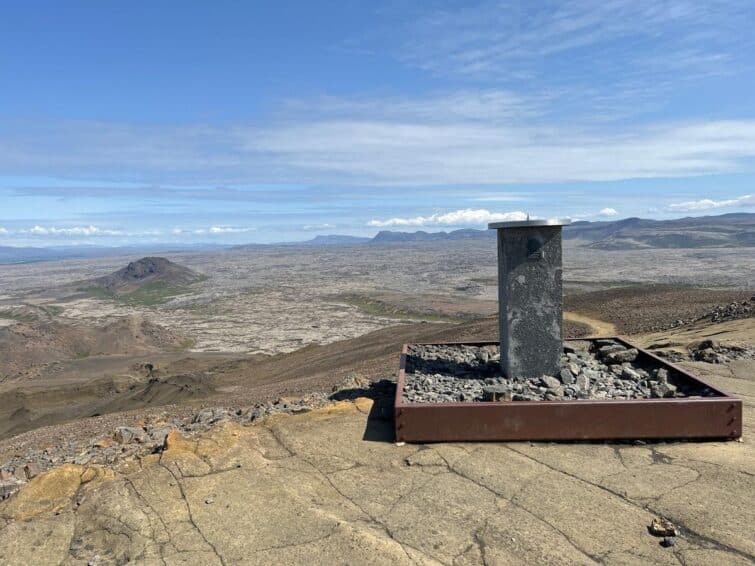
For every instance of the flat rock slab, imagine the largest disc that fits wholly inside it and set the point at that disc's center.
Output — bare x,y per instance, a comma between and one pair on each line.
311,489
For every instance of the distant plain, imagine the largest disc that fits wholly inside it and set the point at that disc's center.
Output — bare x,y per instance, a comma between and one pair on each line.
70,352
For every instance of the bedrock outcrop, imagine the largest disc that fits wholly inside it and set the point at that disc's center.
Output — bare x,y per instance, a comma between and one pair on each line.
330,486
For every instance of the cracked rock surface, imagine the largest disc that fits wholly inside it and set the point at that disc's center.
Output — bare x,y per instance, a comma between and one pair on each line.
329,486
600,369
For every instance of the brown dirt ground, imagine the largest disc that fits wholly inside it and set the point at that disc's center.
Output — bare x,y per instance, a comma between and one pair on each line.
204,381
636,309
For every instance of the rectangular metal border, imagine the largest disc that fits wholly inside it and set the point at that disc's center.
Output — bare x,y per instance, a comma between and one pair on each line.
717,417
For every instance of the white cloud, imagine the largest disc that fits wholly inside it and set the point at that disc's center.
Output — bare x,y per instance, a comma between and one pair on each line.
310,227
223,230
408,152
73,231
710,204
415,153
463,217
608,212
411,151
3,231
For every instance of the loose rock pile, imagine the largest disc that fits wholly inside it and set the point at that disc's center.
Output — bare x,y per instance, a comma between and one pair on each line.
715,353
734,311
722,313
711,352
600,369
127,442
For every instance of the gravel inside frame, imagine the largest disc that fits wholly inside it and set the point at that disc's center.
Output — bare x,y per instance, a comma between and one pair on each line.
602,369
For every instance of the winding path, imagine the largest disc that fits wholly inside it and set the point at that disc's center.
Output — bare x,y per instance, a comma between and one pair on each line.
599,327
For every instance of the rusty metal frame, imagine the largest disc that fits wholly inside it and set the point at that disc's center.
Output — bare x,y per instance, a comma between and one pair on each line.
718,416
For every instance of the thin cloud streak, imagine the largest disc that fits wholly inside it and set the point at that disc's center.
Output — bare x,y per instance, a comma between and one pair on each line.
214,230
482,38
73,231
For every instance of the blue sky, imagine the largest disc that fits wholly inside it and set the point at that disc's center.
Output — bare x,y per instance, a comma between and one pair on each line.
227,122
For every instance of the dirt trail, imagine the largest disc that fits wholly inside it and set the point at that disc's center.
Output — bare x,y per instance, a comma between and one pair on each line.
599,327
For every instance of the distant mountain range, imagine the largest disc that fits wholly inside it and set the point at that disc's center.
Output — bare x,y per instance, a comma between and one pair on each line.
387,236
725,230
337,240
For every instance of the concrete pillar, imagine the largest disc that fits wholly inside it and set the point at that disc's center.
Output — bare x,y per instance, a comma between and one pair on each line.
530,297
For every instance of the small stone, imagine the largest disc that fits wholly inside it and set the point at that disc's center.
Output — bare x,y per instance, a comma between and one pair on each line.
574,368
622,356
128,434
604,351
582,382
661,374
550,382
662,389
31,469
496,393
524,397
554,394
103,443
706,344
8,488
209,501
158,435
668,542
663,528
567,377
7,475
629,373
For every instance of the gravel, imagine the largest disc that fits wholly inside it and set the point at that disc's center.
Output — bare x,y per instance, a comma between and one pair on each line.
600,369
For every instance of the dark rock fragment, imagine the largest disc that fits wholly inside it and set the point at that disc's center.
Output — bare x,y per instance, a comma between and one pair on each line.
661,527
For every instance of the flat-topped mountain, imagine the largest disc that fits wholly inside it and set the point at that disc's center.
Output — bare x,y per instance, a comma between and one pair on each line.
336,239
388,236
147,270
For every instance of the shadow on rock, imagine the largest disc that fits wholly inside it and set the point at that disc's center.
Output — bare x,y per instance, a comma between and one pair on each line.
380,419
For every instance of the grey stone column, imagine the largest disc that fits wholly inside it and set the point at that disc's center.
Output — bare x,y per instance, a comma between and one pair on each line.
530,297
